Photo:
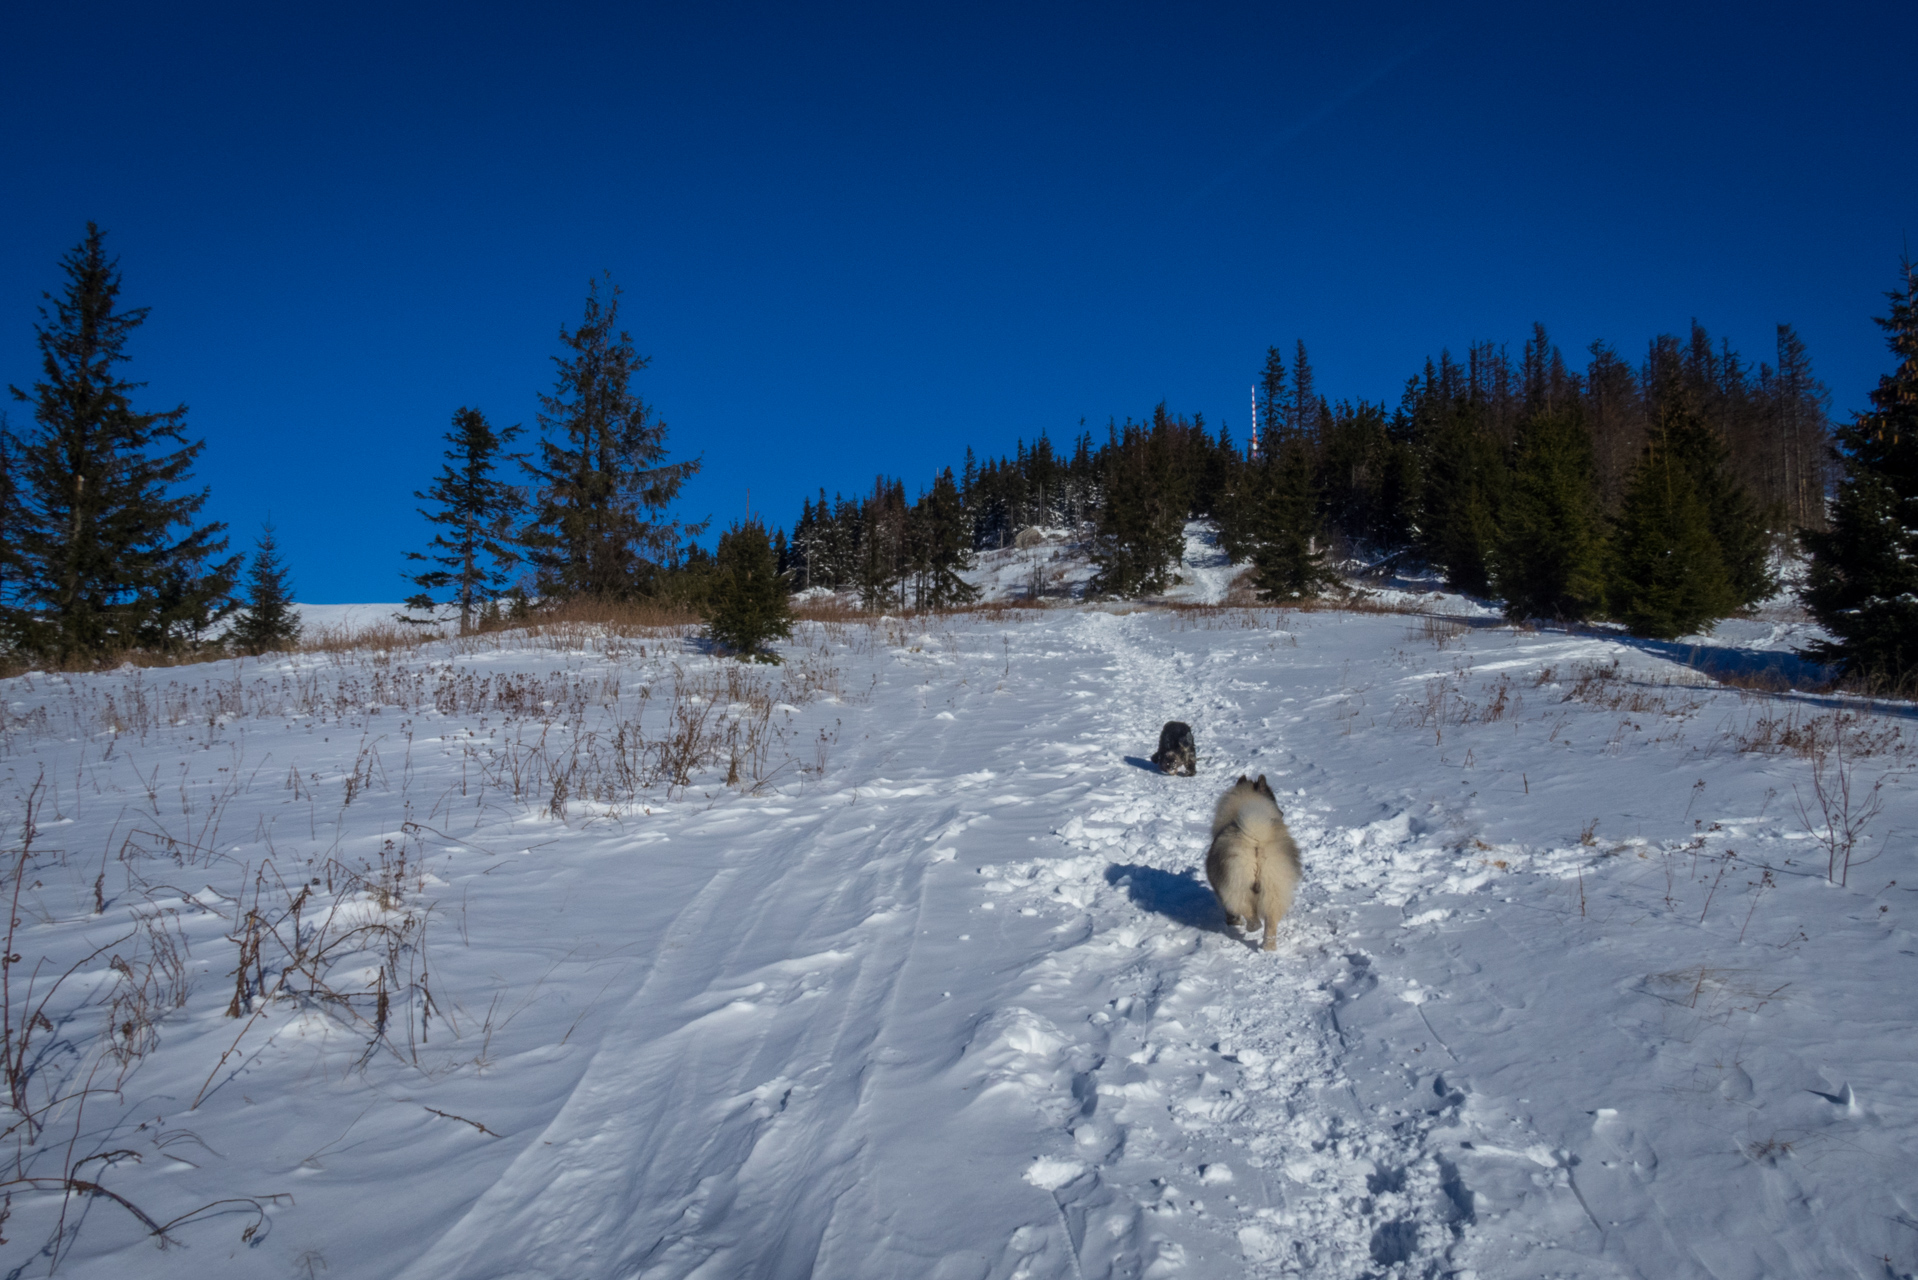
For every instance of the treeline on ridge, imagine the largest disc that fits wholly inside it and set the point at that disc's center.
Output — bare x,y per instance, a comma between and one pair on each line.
1654,493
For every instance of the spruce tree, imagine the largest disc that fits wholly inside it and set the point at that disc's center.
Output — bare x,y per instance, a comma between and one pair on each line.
1139,534
1666,576
1239,507
942,547
474,552
746,602
1735,521
1301,411
603,485
1549,562
269,621
1288,552
104,549
9,519
1271,406
1863,580
1464,485
1796,403
882,566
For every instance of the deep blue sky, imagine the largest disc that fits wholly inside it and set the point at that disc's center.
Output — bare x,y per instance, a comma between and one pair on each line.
856,240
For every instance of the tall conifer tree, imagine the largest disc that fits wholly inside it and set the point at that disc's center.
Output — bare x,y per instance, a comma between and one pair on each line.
882,549
942,547
1735,521
1271,404
1464,488
105,552
1797,403
1302,403
1139,535
1288,552
1667,578
473,553
9,517
603,484
1549,561
1863,583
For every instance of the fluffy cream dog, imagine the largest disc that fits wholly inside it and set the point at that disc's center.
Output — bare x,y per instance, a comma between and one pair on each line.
1253,864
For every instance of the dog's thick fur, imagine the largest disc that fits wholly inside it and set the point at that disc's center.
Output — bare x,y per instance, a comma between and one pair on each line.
1253,864
1177,753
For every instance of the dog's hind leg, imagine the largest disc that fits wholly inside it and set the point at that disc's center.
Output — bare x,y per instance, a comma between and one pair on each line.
1276,887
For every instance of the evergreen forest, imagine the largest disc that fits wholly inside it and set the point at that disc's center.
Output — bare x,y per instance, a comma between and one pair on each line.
1655,492
1660,490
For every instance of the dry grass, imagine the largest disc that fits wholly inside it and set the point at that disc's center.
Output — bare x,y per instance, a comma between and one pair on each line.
50,1073
568,624
831,610
624,707
1437,630
1810,734
1443,701
1602,685
18,664
1223,617
1843,806
385,636
292,937
153,983
1005,609
1358,600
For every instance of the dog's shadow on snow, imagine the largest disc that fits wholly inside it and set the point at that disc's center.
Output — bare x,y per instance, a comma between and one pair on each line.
1138,763
1183,899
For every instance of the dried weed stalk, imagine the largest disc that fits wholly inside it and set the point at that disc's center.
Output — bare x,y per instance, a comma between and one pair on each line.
1844,807
50,1078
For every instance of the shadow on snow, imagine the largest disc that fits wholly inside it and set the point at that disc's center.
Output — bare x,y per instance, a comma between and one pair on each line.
1183,898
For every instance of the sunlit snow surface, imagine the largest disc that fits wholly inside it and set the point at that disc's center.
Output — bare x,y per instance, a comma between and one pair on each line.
959,1004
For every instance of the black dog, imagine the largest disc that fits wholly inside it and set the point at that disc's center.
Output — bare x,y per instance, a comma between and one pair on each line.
1177,753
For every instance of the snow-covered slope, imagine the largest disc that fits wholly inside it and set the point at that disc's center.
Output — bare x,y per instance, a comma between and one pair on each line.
1059,569
1566,991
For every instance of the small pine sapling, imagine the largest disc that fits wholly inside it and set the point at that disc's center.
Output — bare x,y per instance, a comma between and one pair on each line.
269,621
747,604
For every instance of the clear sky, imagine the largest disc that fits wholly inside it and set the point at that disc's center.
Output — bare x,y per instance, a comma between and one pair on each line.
858,239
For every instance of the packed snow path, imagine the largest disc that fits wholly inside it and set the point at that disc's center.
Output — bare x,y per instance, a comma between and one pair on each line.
868,1015
1564,991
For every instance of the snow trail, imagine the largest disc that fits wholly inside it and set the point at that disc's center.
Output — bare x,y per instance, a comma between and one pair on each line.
749,1113
1222,1074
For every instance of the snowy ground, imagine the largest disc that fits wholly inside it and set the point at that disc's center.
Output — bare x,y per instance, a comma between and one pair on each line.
1566,992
